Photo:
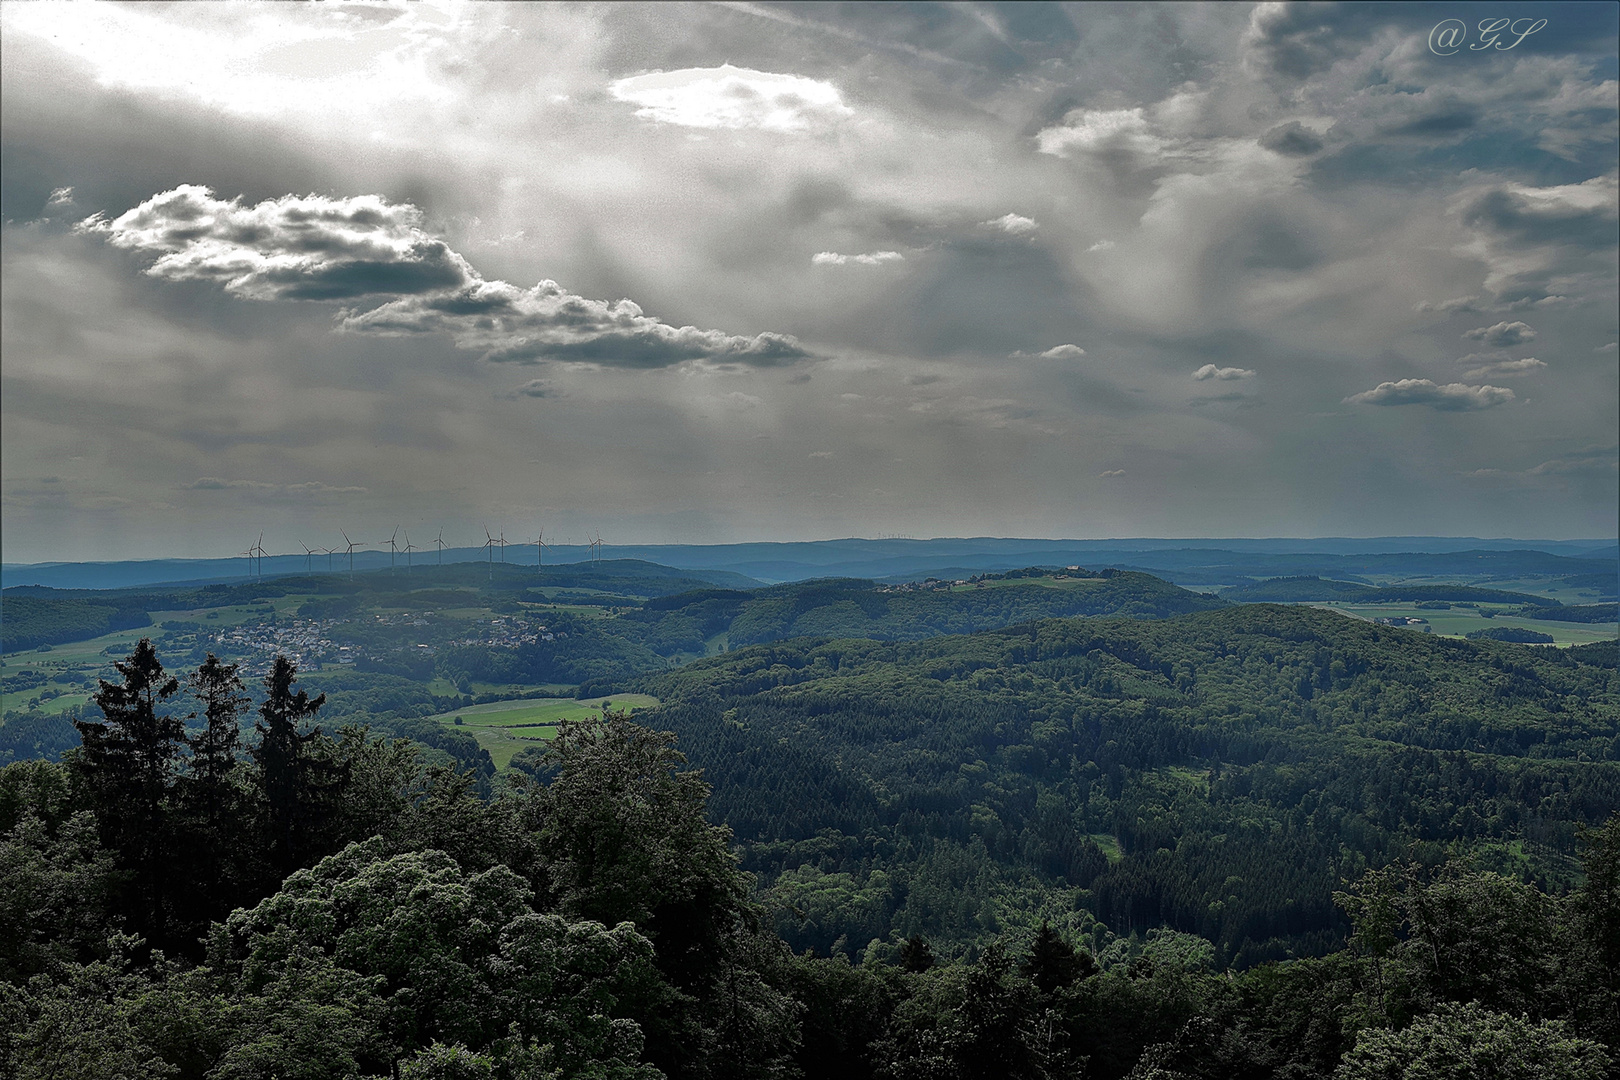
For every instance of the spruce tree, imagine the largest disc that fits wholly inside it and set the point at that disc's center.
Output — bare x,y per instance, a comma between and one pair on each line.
129,762
295,776
211,797
1053,964
214,749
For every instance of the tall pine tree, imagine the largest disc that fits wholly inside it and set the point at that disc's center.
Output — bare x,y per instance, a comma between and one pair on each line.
211,796
129,763
297,774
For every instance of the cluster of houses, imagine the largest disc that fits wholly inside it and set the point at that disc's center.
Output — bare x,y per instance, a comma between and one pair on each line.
313,643
930,585
510,633
302,641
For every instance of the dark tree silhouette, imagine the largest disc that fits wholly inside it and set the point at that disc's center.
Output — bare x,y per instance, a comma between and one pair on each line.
129,762
295,777
214,749
1053,964
915,955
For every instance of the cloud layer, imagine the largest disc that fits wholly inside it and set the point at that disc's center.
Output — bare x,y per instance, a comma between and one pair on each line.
363,247
879,233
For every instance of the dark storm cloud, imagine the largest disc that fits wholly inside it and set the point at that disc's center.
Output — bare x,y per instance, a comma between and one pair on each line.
1296,41
1446,120
320,248
1453,397
1583,215
1292,139
508,324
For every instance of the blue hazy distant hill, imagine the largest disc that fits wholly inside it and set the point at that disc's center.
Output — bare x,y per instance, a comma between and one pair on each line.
1199,562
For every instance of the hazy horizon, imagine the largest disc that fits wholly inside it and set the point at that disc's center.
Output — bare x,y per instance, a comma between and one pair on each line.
709,274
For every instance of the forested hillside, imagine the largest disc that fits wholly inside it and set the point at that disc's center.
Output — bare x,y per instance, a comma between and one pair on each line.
1216,773
181,902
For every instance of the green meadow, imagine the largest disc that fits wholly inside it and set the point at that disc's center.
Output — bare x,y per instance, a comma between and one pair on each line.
1460,621
506,727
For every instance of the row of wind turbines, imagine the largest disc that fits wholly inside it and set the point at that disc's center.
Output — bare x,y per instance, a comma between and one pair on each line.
255,552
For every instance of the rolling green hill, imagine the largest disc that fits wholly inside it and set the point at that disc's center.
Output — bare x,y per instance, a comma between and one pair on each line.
1238,762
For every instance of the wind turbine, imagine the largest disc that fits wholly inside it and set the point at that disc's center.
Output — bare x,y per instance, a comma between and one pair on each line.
439,540
489,542
308,554
393,547
596,545
352,545
259,545
539,550
248,554
501,540
408,550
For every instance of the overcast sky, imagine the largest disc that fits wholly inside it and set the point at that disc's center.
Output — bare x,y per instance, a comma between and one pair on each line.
752,271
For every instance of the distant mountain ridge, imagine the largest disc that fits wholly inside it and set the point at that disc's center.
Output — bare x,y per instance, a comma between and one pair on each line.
1184,561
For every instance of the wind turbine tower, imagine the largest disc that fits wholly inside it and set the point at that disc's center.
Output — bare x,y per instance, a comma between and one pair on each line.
408,550
439,540
352,545
393,547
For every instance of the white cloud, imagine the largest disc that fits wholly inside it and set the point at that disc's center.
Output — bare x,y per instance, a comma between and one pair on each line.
1012,224
870,258
291,248
1102,245
1089,130
1502,335
1056,352
732,97
1610,347
1111,473
1497,367
1224,374
61,196
1453,397
319,248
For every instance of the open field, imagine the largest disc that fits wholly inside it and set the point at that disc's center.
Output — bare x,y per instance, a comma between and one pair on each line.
1459,622
506,727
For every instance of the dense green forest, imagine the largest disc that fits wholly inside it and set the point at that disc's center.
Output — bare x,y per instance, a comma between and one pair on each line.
31,621
1216,773
185,901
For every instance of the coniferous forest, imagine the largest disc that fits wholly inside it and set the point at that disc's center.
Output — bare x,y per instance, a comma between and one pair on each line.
1247,842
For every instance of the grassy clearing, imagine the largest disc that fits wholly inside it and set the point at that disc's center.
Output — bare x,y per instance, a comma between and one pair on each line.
1109,845
506,727
1458,622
